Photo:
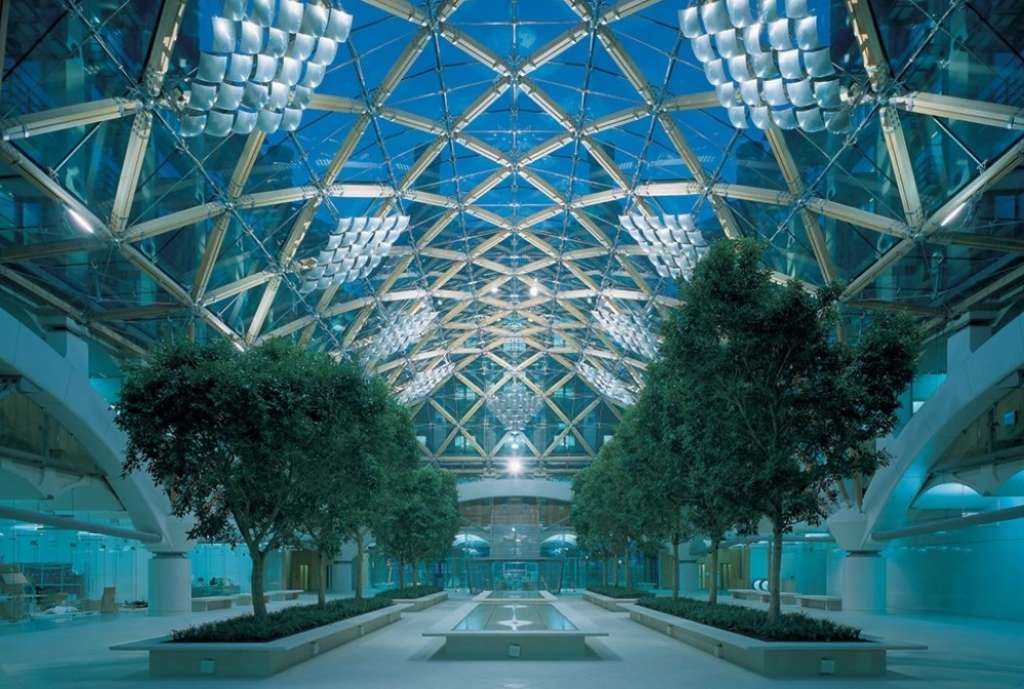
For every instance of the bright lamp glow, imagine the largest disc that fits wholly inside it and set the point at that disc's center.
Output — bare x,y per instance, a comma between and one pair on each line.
267,56
353,251
627,329
767,62
673,244
81,222
515,467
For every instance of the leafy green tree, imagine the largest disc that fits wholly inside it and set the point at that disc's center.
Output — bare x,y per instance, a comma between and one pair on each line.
773,390
420,520
604,513
656,471
227,433
344,469
394,454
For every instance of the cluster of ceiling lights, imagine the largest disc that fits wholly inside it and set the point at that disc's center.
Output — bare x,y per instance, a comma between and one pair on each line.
401,333
768,67
673,244
353,250
606,384
514,406
627,329
424,382
264,64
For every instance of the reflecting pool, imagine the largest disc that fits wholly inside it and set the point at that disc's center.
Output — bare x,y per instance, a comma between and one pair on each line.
515,617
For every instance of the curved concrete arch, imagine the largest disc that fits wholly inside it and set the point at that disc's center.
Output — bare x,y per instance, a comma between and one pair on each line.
974,383
63,390
515,487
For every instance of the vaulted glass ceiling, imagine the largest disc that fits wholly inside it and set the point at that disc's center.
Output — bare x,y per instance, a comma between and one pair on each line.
514,135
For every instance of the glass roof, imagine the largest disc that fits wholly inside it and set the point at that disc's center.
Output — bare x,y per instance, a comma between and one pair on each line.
513,135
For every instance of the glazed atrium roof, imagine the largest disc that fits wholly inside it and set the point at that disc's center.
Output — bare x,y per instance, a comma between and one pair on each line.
444,192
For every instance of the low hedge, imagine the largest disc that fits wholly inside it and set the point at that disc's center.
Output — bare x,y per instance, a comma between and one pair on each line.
410,592
754,623
619,592
277,624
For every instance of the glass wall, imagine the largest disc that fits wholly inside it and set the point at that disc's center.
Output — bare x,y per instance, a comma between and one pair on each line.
52,571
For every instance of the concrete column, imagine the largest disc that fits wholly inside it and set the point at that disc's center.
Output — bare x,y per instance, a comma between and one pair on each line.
687,570
863,582
170,584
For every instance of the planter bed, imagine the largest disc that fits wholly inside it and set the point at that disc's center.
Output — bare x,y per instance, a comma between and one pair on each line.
863,658
168,658
608,602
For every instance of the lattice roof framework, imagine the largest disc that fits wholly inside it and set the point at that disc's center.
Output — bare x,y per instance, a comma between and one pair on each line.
514,135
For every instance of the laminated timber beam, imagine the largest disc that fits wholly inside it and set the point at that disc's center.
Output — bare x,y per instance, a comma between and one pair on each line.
68,117
157,62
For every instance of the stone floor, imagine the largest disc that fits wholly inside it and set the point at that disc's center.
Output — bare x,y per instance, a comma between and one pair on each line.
964,653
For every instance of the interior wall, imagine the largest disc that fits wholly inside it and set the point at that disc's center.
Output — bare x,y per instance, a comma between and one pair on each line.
977,571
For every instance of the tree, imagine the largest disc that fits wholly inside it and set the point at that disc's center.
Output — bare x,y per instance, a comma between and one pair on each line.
393,454
341,471
772,389
421,518
227,433
656,470
604,513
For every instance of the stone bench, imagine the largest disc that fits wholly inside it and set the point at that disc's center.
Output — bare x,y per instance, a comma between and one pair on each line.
865,658
820,602
204,603
607,602
287,594
255,659
787,597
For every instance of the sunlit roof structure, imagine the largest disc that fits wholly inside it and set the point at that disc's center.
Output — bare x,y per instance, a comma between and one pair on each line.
513,136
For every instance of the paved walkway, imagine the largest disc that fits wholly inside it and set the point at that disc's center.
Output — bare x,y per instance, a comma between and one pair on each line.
964,653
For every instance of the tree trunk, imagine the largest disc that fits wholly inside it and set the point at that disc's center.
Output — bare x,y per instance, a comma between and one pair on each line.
259,602
357,566
625,566
775,574
321,589
604,572
675,567
415,574
713,587
401,574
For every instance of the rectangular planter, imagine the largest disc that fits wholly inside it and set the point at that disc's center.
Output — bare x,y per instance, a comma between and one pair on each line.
607,602
775,658
255,659
423,602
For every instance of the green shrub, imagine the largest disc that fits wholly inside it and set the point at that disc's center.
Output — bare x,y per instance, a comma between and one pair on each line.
618,592
409,592
753,622
277,624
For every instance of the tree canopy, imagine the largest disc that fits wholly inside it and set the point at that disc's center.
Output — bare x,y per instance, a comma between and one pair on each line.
228,433
771,393
419,517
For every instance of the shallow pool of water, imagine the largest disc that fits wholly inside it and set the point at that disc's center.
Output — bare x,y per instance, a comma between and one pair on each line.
515,617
